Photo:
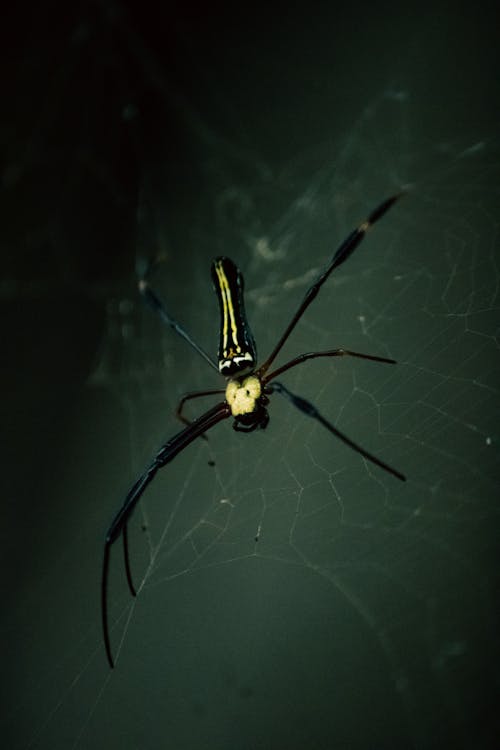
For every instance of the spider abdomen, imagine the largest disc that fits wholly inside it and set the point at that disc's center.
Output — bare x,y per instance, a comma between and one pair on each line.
237,352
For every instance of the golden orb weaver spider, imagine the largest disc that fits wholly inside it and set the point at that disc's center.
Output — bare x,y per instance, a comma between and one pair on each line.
248,389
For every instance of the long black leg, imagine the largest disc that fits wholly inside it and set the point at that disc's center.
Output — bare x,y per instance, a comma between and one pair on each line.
157,306
188,397
167,453
126,559
307,408
330,353
343,252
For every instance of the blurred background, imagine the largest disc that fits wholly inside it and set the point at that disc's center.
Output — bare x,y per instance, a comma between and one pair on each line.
291,595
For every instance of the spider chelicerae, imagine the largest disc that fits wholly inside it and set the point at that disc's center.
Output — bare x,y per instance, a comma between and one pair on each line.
249,386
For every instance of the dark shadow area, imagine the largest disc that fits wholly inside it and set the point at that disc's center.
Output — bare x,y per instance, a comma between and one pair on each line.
291,594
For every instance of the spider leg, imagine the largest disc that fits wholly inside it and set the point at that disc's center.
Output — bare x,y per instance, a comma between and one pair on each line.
155,303
119,525
343,252
188,397
307,408
165,455
330,353
126,560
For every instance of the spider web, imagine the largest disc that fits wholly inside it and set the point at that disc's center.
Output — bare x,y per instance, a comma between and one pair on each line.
291,594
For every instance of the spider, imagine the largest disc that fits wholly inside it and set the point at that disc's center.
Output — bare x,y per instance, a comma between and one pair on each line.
248,388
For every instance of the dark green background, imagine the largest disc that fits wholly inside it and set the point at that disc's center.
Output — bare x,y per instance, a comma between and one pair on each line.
366,614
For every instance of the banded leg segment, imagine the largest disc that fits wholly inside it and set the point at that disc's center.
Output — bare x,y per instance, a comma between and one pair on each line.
343,252
329,353
165,455
306,407
155,303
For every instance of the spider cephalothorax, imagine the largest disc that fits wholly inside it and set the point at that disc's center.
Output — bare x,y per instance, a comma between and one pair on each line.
247,403
248,390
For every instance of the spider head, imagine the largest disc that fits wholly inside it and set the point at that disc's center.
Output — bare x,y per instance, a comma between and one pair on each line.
242,395
247,402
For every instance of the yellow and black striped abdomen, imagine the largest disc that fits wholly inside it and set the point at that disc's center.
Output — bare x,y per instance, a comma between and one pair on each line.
237,353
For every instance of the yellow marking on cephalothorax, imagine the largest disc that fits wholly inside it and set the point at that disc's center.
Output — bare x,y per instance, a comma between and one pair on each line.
242,395
228,314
